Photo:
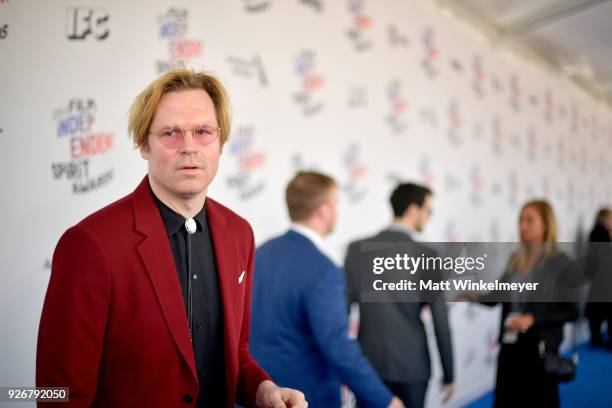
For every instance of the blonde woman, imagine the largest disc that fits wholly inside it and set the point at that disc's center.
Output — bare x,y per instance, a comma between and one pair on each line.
526,323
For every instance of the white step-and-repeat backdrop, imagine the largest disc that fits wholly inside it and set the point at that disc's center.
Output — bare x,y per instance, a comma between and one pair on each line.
371,92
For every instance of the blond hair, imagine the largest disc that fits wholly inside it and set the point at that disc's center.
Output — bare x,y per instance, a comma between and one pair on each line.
520,258
306,192
144,106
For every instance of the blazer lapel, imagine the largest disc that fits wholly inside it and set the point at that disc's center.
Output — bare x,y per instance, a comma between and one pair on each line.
156,255
226,253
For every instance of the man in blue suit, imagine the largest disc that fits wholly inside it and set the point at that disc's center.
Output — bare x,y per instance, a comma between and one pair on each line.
299,315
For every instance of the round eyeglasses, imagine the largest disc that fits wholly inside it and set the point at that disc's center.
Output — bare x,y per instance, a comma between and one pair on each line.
172,136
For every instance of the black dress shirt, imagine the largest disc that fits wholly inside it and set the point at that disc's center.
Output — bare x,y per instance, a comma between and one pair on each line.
207,309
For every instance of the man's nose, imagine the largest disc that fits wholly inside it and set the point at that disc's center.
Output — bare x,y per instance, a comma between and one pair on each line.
188,142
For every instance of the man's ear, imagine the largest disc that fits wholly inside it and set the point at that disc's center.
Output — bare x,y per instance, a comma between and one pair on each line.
144,151
410,210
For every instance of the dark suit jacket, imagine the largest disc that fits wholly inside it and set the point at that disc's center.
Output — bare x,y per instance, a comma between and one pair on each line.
392,334
299,328
114,327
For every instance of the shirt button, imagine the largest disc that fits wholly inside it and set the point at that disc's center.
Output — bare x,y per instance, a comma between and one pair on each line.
195,276
187,399
202,372
198,326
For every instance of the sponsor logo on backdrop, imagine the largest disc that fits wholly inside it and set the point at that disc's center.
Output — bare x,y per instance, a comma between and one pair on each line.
256,6
455,123
497,136
451,182
3,31
456,65
515,94
248,160
357,97
393,177
307,98
561,152
361,24
75,128
251,68
513,188
356,171
425,171
397,38
398,107
431,53
450,232
479,77
298,163
469,357
515,141
316,5
491,345
429,117
476,186
85,22
496,188
532,144
496,84
549,107
173,28
47,264
494,231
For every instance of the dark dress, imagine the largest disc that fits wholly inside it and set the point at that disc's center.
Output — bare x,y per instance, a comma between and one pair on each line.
521,380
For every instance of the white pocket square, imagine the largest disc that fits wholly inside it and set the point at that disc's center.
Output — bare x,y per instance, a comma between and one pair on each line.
241,278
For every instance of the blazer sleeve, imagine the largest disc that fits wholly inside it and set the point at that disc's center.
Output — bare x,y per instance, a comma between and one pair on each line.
439,314
352,272
250,375
328,320
74,315
562,306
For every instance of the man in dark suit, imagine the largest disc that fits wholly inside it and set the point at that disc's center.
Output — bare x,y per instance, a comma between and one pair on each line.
299,328
148,302
392,334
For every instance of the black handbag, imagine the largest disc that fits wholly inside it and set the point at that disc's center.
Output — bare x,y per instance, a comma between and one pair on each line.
562,369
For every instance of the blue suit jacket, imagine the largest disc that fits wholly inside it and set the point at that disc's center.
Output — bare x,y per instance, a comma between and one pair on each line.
299,325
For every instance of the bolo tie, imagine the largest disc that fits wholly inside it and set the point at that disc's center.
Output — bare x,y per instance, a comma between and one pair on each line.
191,227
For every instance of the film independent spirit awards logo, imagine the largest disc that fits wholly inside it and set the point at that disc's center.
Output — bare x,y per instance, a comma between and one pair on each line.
75,129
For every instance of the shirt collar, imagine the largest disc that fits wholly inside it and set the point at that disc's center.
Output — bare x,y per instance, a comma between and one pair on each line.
313,236
174,221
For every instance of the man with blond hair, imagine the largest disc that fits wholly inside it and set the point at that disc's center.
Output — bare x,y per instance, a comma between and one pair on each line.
299,331
148,302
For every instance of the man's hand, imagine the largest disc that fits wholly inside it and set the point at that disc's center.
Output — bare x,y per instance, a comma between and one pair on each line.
396,403
270,395
449,390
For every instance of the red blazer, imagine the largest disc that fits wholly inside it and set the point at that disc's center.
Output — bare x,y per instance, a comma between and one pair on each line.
114,327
